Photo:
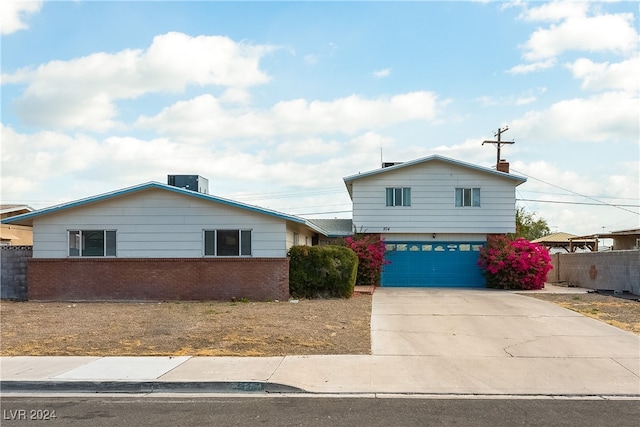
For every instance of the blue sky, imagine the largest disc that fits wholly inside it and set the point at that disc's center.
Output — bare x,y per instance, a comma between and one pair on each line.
275,102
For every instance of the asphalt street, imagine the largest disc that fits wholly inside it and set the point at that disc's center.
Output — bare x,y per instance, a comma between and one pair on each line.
271,411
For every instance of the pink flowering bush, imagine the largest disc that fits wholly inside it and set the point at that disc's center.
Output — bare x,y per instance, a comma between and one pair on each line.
370,250
514,264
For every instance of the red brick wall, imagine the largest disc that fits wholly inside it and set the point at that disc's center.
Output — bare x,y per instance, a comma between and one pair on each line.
79,279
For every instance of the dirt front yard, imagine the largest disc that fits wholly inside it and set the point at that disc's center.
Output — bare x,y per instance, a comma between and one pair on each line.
224,328
621,313
335,326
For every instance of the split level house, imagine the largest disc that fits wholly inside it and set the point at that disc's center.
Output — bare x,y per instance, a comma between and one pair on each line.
175,241
434,214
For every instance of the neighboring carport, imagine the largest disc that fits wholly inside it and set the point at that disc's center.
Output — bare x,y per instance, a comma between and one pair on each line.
567,242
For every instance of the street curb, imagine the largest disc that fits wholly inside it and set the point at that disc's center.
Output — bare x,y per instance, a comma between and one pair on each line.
147,387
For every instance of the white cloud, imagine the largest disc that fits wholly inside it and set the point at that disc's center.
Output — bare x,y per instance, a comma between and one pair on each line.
534,66
47,154
379,74
611,116
81,93
613,33
73,110
236,95
13,13
600,76
556,11
203,118
96,166
574,26
525,98
308,147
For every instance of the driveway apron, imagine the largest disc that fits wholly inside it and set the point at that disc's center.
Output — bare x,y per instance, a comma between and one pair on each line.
488,323
483,341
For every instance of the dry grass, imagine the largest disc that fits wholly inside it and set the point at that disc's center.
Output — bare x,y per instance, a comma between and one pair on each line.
224,328
186,328
621,313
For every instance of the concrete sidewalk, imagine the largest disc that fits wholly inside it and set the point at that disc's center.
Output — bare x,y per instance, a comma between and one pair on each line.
569,376
443,342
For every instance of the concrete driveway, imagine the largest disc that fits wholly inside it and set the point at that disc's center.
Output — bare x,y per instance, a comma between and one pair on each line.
502,337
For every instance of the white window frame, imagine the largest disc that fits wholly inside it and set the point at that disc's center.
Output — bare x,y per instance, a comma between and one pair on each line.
242,240
108,251
467,197
398,197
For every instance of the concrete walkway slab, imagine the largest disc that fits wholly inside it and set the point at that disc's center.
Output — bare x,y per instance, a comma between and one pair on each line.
27,368
124,368
631,364
326,374
489,375
547,376
225,369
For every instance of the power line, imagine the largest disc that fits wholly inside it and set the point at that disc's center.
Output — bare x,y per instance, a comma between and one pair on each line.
284,194
600,202
322,213
578,203
565,194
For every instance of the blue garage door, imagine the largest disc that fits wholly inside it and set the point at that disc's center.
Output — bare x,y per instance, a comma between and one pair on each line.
432,264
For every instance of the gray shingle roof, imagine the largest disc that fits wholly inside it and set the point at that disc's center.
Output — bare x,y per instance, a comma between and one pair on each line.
334,227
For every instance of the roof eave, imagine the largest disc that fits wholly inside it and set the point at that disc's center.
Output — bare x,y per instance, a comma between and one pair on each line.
351,178
27,219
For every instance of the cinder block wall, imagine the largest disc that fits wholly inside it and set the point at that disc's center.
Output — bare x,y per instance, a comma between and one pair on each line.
13,274
615,270
133,279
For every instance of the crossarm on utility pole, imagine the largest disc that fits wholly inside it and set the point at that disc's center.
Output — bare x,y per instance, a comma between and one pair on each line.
499,142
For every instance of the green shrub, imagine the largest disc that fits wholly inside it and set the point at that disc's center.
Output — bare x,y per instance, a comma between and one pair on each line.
322,271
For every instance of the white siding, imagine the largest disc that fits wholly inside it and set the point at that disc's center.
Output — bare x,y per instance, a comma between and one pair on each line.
158,224
305,235
432,207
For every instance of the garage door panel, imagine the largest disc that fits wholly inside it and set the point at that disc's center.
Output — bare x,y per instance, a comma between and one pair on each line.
432,264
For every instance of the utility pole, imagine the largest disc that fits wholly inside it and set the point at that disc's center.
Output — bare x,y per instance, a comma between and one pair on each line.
499,142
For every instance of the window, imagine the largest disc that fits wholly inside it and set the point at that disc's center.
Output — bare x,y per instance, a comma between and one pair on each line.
399,196
227,242
467,197
92,243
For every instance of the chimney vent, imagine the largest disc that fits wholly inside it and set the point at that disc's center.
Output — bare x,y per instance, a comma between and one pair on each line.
503,166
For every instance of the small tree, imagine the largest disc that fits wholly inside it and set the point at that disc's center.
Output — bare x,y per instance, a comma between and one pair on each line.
370,249
514,264
528,227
